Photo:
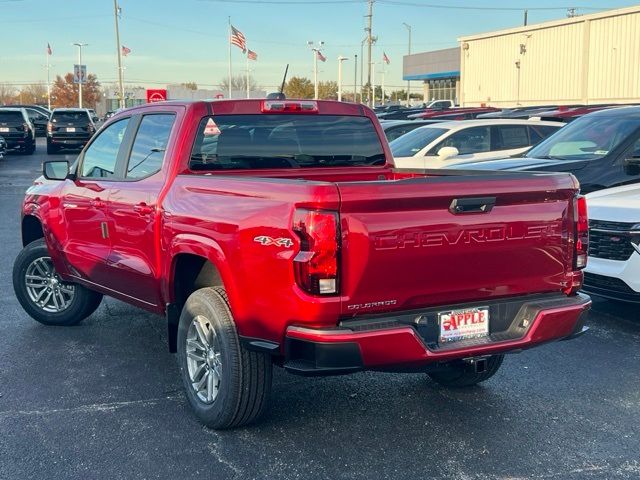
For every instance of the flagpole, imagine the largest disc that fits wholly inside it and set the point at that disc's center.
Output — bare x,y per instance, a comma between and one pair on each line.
48,80
229,40
382,85
248,95
372,68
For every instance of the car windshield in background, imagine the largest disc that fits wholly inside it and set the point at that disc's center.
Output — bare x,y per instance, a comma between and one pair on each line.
70,117
12,117
228,142
587,138
411,143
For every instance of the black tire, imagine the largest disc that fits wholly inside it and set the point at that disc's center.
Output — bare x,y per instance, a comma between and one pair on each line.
30,150
51,149
83,303
245,380
460,375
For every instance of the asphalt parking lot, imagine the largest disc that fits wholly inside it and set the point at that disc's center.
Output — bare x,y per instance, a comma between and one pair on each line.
104,400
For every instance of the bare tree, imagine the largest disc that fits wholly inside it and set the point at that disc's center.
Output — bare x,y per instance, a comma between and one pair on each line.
35,93
7,93
239,84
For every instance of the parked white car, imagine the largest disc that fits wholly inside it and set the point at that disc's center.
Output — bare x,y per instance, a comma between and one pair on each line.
613,269
448,143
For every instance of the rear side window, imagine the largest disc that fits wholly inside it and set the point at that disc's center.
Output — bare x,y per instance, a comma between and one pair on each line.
510,136
540,132
11,117
468,141
70,117
230,142
149,146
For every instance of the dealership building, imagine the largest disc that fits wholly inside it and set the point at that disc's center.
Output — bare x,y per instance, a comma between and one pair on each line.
587,59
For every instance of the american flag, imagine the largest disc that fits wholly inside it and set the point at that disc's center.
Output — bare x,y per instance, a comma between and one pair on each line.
125,51
49,51
251,55
321,57
385,59
238,39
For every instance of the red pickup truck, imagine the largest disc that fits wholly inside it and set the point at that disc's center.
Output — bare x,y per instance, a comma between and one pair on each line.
278,232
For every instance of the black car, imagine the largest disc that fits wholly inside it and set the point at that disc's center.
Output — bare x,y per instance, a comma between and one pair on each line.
602,149
69,128
37,118
396,128
17,130
44,110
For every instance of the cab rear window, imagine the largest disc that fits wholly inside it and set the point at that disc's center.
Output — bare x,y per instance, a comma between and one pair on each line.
73,117
233,142
11,117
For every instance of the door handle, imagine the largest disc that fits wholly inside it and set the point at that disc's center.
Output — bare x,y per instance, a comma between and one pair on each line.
97,203
143,209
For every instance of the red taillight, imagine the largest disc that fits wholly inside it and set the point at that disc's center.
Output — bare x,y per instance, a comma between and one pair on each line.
316,265
25,129
289,106
582,232
49,127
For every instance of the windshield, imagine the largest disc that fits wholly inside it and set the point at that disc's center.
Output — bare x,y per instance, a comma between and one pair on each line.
587,138
229,142
70,117
411,143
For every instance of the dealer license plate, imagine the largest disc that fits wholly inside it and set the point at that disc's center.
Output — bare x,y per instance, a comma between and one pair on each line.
4,129
71,129
463,324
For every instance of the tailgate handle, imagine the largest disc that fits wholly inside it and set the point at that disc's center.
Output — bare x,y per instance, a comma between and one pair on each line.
472,205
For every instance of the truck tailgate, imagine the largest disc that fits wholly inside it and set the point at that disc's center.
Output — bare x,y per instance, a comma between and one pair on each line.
431,241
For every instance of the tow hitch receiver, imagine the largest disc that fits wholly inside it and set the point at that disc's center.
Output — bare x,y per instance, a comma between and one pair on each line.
476,364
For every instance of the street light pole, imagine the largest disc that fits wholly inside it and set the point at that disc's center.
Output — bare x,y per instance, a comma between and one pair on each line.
408,27
116,12
80,45
355,79
340,60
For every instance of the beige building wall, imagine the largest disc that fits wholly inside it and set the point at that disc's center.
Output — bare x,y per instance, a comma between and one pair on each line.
588,59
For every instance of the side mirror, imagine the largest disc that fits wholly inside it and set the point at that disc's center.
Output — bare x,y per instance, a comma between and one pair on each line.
445,153
55,169
632,166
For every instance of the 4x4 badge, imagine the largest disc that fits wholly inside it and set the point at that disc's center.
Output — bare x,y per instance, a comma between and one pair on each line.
278,242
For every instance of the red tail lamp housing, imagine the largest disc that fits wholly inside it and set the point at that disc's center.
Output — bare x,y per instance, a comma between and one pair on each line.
316,264
582,232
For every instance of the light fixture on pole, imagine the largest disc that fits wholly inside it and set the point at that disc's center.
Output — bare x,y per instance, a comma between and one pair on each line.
80,71
408,27
316,50
340,60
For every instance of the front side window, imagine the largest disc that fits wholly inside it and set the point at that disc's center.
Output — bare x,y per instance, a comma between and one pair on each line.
468,141
231,142
101,157
149,146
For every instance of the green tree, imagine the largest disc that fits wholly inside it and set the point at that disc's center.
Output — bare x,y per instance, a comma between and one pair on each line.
328,90
299,87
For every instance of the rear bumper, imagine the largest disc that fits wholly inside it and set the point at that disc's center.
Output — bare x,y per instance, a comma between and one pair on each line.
405,341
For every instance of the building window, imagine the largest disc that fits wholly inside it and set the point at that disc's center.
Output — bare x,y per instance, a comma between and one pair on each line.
442,89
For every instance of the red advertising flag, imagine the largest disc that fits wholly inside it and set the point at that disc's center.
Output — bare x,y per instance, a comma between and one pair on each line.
156,95
125,51
385,58
321,57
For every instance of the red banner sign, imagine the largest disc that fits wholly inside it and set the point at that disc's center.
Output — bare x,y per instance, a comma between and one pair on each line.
156,95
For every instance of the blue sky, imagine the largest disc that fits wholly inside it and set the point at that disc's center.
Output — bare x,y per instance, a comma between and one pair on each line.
180,41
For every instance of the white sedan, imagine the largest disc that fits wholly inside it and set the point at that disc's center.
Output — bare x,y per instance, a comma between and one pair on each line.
448,143
613,269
